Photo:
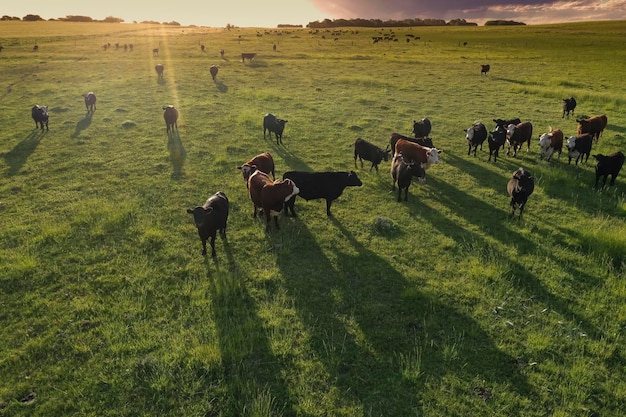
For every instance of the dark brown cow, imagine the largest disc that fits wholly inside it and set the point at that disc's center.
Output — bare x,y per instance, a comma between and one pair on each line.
270,196
213,70
90,101
520,187
608,165
262,162
248,55
159,70
593,125
484,69
516,135
171,118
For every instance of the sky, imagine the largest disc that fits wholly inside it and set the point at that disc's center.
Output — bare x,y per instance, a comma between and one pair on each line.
270,13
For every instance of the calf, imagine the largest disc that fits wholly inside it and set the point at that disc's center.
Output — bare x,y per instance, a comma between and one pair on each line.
422,128
171,118
520,187
578,147
90,101
262,162
475,136
550,143
40,116
314,185
484,69
569,104
270,196
418,153
427,142
159,70
516,135
213,70
370,152
274,125
593,125
211,217
402,172
608,165
496,140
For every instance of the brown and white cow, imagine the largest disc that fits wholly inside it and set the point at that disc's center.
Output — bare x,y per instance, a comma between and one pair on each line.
592,125
270,196
517,134
417,153
550,143
262,162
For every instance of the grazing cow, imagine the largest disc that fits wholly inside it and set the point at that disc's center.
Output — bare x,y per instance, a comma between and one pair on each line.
248,55
516,135
270,196
422,128
155,52
427,142
274,125
569,104
578,147
40,116
262,162
171,118
222,53
418,153
520,187
370,152
159,70
592,125
402,172
484,69
211,217
90,101
202,47
496,140
550,143
475,136
314,185
608,165
35,48
213,70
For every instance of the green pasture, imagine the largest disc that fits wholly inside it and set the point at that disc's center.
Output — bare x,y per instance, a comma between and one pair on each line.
440,306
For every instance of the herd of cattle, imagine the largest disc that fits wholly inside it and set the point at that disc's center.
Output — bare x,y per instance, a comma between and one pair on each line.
410,156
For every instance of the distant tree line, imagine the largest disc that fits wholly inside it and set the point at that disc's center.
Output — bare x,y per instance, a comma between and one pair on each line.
378,23
503,23
72,18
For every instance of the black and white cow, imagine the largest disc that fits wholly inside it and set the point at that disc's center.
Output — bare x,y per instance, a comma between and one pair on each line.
475,137
40,116
579,147
520,187
517,134
608,165
316,185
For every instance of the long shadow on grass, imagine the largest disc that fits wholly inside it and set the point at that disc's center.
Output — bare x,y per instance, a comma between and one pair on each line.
379,339
82,124
221,87
17,157
178,154
251,371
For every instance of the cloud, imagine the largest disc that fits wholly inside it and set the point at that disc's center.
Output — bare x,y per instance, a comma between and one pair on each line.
528,11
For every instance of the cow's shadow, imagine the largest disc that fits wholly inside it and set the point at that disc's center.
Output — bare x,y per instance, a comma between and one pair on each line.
82,124
17,157
221,87
161,80
178,153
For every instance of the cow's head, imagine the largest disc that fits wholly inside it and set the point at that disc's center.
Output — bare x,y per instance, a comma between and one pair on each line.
469,133
432,155
200,215
247,170
353,179
510,129
571,142
545,140
384,154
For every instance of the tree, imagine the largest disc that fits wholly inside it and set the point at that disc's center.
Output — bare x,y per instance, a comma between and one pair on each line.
32,18
111,19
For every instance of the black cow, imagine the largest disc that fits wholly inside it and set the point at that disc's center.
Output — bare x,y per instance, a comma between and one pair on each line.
579,147
569,104
427,142
608,165
520,187
496,140
213,70
402,172
370,152
40,116
314,185
475,136
171,118
274,125
211,217
90,101
484,69
422,128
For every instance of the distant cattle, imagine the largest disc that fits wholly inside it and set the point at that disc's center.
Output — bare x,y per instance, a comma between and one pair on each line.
427,142
40,116
35,48
202,47
263,162
496,140
550,143
484,69
475,137
608,165
222,53
569,104
274,125
369,152
211,217
213,70
159,70
90,101
422,128
516,135
270,196
520,187
248,55
171,118
402,173
579,147
418,153
593,125
320,185
155,52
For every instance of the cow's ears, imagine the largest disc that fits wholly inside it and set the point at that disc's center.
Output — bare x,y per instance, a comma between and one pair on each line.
208,210
239,167
190,211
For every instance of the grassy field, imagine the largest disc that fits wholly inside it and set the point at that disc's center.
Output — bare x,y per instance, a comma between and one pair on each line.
440,306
